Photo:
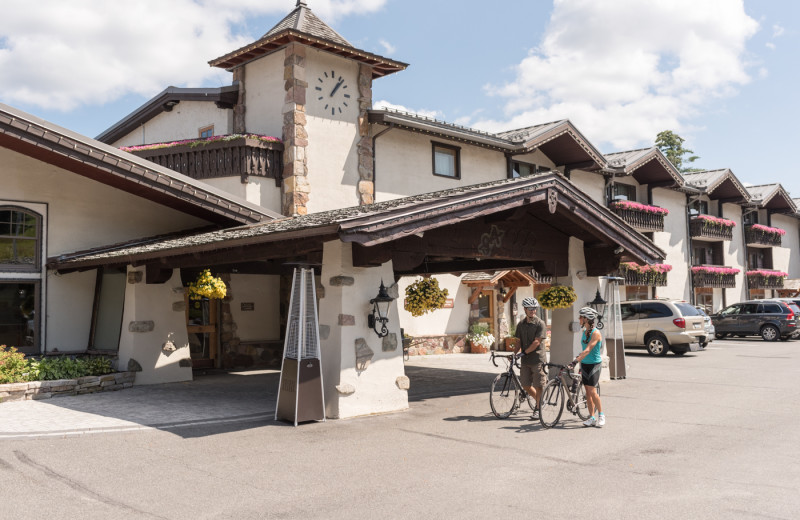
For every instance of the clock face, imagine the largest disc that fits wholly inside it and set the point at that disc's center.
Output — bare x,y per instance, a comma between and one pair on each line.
332,92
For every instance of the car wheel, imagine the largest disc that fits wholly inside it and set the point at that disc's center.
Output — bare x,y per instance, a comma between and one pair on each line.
770,333
657,344
720,335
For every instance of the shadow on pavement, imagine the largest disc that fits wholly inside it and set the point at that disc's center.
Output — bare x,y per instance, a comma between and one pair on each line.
433,382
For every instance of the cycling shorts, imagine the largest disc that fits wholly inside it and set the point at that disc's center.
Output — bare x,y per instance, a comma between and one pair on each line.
590,373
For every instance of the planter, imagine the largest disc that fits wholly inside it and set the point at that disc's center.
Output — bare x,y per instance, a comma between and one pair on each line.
511,343
82,385
477,349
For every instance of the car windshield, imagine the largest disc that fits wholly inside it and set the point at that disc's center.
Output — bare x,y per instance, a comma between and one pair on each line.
688,310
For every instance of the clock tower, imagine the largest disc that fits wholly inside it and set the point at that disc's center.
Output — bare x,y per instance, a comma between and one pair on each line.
305,82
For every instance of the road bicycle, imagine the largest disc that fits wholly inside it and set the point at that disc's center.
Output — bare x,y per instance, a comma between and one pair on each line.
506,394
565,383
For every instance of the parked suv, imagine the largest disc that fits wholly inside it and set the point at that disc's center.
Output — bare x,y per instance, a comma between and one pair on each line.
769,319
662,325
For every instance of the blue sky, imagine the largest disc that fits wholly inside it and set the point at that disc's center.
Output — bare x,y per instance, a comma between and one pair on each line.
721,73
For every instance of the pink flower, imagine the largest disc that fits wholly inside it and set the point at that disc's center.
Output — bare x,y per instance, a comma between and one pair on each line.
765,273
707,269
636,206
716,220
767,229
649,268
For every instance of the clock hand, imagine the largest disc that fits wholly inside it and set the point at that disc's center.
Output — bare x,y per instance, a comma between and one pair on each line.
336,87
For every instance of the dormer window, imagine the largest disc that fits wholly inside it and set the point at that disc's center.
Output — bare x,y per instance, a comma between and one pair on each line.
207,131
523,169
624,192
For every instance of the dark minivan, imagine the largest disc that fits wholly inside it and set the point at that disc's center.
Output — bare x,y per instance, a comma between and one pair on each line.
770,319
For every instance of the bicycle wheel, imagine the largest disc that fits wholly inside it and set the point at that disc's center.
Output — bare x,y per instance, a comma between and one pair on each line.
582,407
503,396
551,404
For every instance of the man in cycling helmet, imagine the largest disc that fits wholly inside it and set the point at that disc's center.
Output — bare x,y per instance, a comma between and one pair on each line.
532,332
591,363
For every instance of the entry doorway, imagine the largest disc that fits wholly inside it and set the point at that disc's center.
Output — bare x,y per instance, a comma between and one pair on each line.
202,326
486,310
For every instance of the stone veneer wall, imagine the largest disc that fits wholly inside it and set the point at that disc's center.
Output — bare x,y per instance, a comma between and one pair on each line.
366,182
295,187
445,344
61,387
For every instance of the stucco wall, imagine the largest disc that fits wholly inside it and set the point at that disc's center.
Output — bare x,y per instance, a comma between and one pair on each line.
183,122
262,323
256,190
734,253
264,93
592,184
787,257
404,165
674,241
440,321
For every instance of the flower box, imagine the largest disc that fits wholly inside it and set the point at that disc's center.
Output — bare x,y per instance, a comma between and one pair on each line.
765,279
654,275
641,216
758,235
714,276
715,228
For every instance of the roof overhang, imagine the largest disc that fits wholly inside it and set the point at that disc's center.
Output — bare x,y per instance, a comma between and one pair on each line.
724,187
652,168
777,200
536,214
81,155
223,97
268,44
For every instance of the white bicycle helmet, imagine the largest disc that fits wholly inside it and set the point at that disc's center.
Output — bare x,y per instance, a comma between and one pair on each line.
588,313
530,303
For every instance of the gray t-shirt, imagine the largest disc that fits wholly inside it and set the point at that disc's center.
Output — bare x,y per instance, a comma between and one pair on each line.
527,332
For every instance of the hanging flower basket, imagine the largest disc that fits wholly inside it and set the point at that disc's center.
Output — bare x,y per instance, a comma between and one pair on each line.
557,297
424,296
207,286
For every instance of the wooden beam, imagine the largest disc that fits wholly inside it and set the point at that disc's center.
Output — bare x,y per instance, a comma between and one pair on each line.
475,294
509,294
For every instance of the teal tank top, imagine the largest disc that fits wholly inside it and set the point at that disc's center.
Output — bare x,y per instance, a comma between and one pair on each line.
594,354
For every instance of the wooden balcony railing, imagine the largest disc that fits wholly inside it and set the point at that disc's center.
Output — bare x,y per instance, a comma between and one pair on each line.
641,220
718,280
242,157
648,279
759,237
760,281
701,228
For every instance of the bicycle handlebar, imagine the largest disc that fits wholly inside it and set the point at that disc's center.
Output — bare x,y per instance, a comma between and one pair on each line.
511,357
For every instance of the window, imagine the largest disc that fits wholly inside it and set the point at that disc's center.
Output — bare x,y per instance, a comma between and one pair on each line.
207,131
750,218
771,308
707,253
655,310
446,160
19,315
758,258
749,308
624,192
698,207
523,169
19,239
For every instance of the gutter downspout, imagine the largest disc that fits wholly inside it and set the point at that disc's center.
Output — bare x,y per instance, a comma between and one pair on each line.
690,246
375,162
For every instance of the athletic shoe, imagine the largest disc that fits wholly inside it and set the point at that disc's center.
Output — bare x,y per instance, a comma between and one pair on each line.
601,421
591,421
535,415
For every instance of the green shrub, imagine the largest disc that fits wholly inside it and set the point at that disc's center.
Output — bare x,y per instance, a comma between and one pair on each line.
14,367
51,368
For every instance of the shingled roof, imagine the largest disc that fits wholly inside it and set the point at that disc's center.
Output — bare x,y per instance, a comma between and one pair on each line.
719,184
647,166
772,196
302,26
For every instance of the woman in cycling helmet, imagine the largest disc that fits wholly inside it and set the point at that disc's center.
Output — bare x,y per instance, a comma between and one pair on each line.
591,363
532,332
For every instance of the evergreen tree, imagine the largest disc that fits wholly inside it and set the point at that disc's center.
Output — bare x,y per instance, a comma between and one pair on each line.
671,145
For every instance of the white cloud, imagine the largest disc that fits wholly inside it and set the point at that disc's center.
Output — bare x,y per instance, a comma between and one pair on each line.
622,71
777,31
770,46
383,104
388,47
67,54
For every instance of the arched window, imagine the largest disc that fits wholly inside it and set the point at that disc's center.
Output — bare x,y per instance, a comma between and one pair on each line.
20,239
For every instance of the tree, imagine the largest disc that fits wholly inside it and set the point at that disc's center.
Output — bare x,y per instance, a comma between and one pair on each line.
671,145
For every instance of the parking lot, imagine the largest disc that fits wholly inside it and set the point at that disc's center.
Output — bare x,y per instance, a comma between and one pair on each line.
710,434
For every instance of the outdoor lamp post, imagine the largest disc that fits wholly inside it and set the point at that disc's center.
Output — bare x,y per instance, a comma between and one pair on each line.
380,312
598,304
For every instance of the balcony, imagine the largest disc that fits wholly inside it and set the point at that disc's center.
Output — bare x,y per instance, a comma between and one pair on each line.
640,216
649,275
757,235
711,228
765,279
716,276
242,156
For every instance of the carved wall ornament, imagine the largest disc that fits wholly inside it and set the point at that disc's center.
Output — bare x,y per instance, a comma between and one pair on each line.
552,200
491,240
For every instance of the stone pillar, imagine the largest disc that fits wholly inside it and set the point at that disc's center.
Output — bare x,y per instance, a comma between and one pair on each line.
239,125
295,188
565,340
154,330
366,177
362,373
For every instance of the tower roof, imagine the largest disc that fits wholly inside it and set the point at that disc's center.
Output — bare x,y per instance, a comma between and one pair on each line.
304,21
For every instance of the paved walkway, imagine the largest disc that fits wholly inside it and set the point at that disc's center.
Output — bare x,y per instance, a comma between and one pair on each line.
219,397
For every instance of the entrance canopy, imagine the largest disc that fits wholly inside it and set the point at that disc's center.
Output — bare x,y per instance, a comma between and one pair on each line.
515,223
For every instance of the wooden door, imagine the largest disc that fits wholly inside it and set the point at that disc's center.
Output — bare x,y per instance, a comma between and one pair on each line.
486,309
202,327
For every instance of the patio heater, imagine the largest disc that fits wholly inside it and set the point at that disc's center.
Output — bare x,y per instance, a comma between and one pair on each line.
301,396
615,346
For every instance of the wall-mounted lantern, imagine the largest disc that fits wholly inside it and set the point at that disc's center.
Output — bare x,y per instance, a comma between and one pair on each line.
598,304
380,312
